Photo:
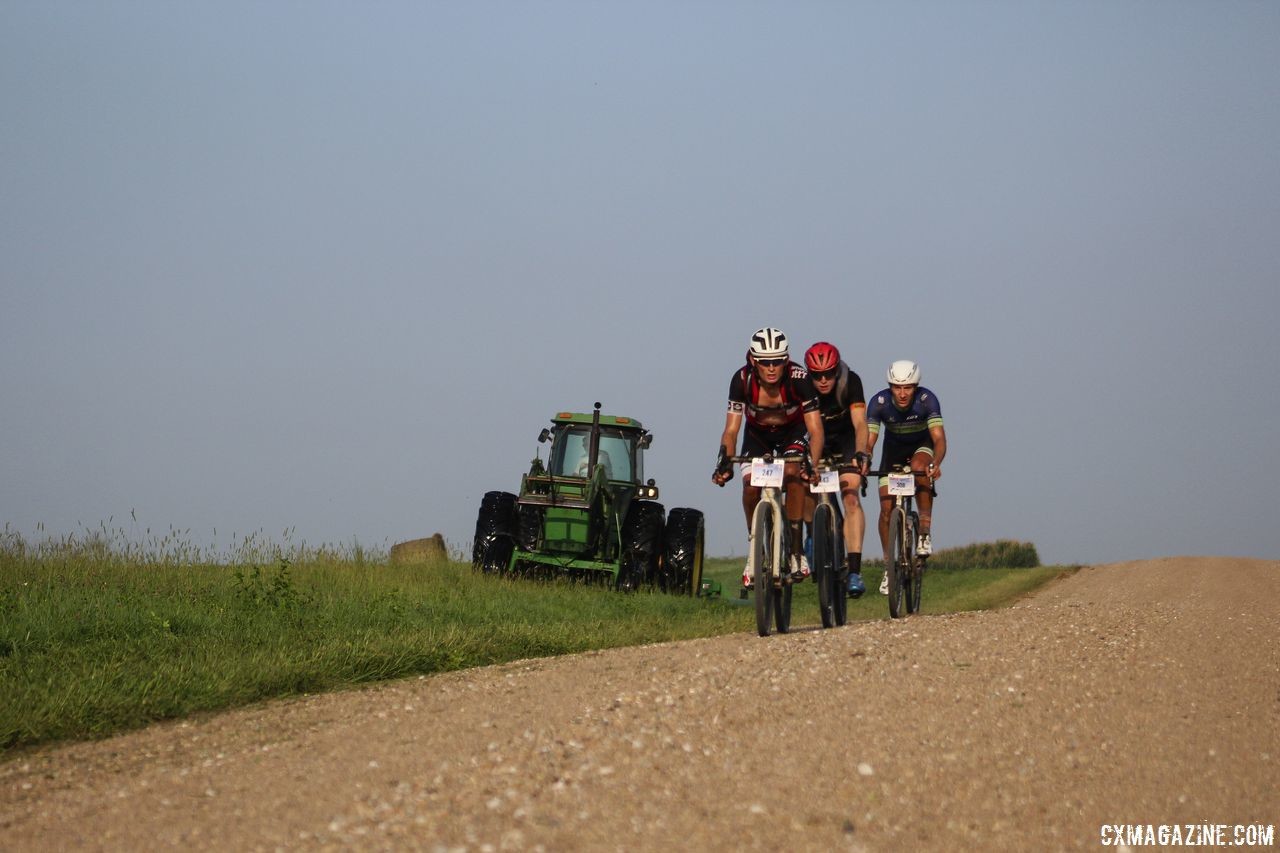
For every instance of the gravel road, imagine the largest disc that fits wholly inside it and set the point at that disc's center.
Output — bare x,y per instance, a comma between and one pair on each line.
1132,693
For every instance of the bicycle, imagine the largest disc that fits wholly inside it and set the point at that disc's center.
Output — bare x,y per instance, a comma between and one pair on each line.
770,552
904,568
829,568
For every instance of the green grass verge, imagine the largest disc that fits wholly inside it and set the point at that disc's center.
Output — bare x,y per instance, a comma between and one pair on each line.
94,642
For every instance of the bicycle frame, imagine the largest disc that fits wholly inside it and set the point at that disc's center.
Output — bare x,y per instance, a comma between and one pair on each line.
905,567
766,560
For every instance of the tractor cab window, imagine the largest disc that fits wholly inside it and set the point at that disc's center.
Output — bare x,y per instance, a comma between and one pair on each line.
572,447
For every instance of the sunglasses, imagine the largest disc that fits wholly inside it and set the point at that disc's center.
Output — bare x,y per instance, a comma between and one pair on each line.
824,375
771,362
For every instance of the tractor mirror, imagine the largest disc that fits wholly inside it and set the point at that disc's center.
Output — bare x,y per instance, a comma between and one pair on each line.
646,440
544,436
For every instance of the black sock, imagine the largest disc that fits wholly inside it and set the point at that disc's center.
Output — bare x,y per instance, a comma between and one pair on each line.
855,563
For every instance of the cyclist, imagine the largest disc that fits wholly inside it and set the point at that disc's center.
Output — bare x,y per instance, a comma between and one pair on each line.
912,420
844,424
780,405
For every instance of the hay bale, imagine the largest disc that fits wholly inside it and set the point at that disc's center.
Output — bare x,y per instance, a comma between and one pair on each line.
429,550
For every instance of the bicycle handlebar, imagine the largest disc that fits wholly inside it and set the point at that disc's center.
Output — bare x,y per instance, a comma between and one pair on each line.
895,470
725,462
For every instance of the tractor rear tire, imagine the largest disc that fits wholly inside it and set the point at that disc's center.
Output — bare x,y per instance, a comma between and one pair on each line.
641,546
495,530
682,562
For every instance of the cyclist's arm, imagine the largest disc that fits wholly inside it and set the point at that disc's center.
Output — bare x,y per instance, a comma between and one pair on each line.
817,436
939,435
861,440
873,433
729,438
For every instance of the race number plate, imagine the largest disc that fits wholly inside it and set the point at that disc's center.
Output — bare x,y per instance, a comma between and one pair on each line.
902,484
766,474
829,481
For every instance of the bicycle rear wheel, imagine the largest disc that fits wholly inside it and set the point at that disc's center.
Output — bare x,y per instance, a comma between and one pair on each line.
824,567
900,556
762,559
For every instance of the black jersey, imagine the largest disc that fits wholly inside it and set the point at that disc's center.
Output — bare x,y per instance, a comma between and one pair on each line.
797,392
835,406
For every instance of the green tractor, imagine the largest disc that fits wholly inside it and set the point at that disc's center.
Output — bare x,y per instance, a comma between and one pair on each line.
589,512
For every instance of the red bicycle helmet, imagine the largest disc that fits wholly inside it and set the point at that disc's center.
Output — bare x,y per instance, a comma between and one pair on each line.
821,357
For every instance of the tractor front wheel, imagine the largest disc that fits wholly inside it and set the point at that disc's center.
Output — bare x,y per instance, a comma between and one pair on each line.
641,546
682,562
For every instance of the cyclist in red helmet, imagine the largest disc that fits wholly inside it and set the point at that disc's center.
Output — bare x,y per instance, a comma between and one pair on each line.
777,400
844,422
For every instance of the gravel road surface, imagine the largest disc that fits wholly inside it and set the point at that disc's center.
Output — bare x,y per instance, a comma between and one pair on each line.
1132,693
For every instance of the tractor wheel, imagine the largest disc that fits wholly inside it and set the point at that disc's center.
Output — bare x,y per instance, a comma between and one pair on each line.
529,527
682,563
495,526
641,546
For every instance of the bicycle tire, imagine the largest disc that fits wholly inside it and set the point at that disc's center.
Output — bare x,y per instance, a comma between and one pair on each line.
841,596
915,576
896,567
762,560
782,607
842,569
824,568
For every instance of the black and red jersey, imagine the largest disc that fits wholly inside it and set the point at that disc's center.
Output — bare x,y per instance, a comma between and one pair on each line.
835,406
797,392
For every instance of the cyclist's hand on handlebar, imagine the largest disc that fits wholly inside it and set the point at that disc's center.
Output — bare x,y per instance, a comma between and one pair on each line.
724,468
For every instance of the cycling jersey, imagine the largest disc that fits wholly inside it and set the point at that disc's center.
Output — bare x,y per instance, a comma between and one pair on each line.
798,397
909,426
835,406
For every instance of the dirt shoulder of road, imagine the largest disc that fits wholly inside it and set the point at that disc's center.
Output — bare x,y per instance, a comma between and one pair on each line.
1131,693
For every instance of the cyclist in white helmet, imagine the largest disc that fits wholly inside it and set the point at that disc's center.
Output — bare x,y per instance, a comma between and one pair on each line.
911,418
780,406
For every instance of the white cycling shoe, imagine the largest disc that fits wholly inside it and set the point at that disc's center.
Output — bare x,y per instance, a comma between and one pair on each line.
924,545
884,584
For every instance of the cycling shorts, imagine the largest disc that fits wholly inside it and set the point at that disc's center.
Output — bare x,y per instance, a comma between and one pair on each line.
900,454
790,440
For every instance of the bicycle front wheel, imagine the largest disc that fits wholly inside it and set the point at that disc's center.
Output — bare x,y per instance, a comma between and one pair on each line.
915,576
782,607
762,532
824,567
898,566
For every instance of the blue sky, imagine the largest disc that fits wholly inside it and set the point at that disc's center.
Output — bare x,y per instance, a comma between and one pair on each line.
330,267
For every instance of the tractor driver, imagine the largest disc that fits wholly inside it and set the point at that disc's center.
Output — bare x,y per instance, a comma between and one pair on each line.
585,461
780,405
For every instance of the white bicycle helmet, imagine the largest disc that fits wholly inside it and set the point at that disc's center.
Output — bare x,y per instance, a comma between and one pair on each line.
769,343
904,373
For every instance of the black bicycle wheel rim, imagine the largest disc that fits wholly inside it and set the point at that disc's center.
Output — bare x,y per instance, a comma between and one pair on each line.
762,557
823,564
782,608
896,565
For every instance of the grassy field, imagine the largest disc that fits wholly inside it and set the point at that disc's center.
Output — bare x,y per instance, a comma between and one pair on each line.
95,640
